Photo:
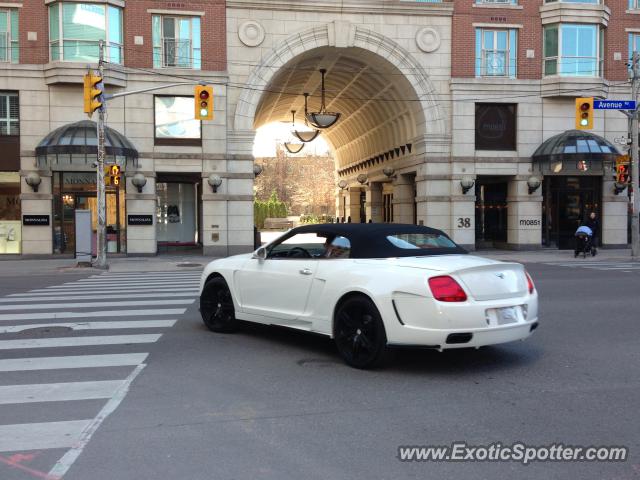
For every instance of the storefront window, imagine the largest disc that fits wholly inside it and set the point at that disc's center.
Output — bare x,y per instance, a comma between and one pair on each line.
10,224
496,126
174,121
176,213
77,191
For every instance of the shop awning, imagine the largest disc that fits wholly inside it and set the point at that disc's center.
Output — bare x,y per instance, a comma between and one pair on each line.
574,152
77,144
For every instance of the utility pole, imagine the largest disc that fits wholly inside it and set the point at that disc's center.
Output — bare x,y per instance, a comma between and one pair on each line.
101,257
635,159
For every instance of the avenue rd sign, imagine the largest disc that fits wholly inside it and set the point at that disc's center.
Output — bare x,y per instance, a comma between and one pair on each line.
614,104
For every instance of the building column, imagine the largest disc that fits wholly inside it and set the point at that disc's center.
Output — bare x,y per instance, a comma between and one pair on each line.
403,199
524,215
374,202
353,205
37,239
613,215
141,238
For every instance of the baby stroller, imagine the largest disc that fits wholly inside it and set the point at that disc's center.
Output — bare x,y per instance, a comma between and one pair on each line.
584,242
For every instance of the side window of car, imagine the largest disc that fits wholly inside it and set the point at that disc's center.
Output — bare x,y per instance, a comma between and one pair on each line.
299,246
337,247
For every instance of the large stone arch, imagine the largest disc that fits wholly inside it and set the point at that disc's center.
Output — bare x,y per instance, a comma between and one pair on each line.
343,34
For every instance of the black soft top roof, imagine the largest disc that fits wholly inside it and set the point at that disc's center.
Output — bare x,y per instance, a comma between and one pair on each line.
369,240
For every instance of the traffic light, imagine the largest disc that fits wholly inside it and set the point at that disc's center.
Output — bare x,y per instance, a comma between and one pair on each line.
93,93
203,96
622,169
112,175
584,113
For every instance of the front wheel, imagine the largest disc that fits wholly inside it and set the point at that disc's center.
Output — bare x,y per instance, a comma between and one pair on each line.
359,333
216,306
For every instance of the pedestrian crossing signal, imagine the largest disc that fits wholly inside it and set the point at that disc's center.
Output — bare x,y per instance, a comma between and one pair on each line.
622,174
203,97
112,175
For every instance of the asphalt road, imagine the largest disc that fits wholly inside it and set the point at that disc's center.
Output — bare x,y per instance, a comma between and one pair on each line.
274,404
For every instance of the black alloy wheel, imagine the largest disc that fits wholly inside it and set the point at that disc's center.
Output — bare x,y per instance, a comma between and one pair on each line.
216,306
359,333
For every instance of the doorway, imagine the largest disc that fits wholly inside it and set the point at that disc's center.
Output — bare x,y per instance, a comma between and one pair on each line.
491,211
567,203
179,212
76,191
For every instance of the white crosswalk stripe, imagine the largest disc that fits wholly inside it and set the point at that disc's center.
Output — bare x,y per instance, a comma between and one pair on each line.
621,265
80,316
91,325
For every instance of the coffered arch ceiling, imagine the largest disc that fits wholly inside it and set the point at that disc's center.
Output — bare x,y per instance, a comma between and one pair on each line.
380,109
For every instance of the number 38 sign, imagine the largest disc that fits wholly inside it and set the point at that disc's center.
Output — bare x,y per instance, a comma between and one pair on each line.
464,222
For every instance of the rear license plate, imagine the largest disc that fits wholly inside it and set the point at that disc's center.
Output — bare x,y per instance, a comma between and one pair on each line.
507,315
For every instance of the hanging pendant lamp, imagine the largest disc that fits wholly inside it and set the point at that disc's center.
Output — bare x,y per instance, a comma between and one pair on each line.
323,118
306,136
293,147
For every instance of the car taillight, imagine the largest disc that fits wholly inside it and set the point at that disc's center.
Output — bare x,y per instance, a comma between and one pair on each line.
446,289
530,283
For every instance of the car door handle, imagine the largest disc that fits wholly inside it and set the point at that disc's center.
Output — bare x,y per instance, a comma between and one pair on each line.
306,271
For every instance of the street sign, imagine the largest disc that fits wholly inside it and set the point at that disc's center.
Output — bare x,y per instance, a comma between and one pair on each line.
614,104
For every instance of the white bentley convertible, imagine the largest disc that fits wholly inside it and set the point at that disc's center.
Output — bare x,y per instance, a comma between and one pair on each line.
372,286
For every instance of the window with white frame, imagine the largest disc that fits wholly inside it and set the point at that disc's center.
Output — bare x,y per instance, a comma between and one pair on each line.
496,52
573,50
9,114
9,51
176,42
76,28
634,4
634,44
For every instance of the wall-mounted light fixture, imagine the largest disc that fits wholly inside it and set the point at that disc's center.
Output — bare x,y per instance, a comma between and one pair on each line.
215,181
139,181
467,184
533,183
33,180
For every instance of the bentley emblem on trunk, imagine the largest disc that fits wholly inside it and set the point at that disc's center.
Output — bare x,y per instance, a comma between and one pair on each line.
500,275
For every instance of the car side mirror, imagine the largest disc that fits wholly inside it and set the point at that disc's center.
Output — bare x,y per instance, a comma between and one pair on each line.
260,253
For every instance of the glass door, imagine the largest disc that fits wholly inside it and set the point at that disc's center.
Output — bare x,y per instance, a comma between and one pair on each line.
567,203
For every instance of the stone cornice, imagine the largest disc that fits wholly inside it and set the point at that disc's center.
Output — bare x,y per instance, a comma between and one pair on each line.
380,7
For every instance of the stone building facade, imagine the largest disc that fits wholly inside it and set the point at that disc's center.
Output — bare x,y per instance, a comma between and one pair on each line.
448,111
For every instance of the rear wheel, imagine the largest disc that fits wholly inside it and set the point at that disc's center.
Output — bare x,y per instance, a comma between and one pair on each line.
216,306
359,333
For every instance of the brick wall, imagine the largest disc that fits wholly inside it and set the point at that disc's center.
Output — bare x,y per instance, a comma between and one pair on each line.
34,17
530,36
137,22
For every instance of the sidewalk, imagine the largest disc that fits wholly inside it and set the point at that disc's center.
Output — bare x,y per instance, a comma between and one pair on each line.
177,262
161,263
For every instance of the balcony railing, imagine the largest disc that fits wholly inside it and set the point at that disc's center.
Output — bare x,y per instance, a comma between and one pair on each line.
177,53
